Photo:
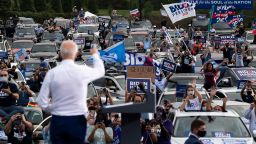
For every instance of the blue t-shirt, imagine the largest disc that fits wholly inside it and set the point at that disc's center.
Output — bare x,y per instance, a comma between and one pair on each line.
117,136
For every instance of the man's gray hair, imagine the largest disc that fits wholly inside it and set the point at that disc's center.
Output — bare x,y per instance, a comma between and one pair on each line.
66,51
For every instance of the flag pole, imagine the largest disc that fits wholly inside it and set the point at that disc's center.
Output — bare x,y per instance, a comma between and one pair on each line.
179,35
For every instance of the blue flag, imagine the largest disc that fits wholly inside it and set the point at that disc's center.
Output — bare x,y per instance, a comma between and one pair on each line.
114,53
21,54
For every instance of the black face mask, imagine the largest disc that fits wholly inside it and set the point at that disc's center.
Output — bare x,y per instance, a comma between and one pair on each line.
201,133
249,92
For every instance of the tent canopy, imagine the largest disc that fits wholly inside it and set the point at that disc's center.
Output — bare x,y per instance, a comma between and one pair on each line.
89,14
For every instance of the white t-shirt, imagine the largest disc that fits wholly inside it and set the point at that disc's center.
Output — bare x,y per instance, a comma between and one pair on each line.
161,84
99,137
194,104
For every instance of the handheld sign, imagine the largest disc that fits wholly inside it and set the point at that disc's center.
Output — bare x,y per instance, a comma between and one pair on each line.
141,72
79,41
180,91
132,84
169,66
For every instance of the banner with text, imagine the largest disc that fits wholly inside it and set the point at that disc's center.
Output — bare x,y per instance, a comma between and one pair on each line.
168,66
207,4
180,11
245,74
132,84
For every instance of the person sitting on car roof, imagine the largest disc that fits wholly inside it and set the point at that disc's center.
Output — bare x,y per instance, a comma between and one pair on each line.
193,98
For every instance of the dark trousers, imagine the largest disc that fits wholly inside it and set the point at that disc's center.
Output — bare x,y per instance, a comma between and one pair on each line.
68,129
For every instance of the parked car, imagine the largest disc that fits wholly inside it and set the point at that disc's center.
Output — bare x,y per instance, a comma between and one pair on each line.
45,50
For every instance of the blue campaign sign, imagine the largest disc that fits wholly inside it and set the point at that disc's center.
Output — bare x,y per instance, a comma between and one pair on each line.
241,84
79,41
180,90
3,55
132,83
169,66
227,39
245,74
207,4
134,59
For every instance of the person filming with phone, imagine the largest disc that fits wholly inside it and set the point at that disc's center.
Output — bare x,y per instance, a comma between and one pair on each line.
19,130
8,96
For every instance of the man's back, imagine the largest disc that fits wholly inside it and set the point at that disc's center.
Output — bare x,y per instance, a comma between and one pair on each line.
193,140
67,86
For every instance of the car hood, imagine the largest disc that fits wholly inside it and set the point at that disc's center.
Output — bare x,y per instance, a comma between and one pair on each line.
216,140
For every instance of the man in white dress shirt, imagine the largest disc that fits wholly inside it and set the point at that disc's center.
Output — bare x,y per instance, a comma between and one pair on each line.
64,93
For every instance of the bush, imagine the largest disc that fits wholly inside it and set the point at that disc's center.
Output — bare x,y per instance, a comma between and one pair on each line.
40,5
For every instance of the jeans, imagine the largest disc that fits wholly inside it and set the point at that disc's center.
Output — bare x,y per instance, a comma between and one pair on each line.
9,111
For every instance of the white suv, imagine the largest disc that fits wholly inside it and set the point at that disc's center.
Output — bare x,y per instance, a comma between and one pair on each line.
221,127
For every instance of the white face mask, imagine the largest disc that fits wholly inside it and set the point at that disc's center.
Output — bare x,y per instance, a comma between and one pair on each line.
203,108
4,79
191,93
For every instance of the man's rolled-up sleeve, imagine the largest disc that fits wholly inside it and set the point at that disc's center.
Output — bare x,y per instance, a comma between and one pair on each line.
95,72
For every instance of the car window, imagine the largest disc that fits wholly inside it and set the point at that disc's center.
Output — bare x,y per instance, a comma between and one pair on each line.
85,29
91,91
31,66
22,45
121,82
234,96
25,31
53,36
216,126
100,82
43,48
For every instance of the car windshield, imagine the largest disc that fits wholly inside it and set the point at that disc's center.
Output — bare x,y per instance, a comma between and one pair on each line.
90,91
239,109
53,36
128,42
138,37
28,21
22,44
234,96
1,46
122,83
221,26
26,31
216,126
32,66
85,29
43,48
63,23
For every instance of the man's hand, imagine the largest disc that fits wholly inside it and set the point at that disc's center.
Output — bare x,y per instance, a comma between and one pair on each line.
14,117
94,51
8,91
23,118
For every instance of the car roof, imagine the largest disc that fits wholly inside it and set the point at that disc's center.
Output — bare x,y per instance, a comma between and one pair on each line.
229,113
92,24
23,41
188,75
44,44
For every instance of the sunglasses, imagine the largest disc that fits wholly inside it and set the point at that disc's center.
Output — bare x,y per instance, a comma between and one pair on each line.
3,75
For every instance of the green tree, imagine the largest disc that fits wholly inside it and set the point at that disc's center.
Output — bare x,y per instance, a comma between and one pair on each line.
57,6
77,3
92,6
147,9
27,5
67,5
40,5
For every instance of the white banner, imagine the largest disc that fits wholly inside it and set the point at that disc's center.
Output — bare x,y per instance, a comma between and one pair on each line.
179,11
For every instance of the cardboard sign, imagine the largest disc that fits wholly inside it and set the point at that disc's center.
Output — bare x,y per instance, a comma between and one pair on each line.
169,66
79,41
132,84
141,72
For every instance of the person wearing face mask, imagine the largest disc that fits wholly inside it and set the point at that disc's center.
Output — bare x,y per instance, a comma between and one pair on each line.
192,100
198,129
248,93
24,93
250,114
211,107
8,96
186,62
